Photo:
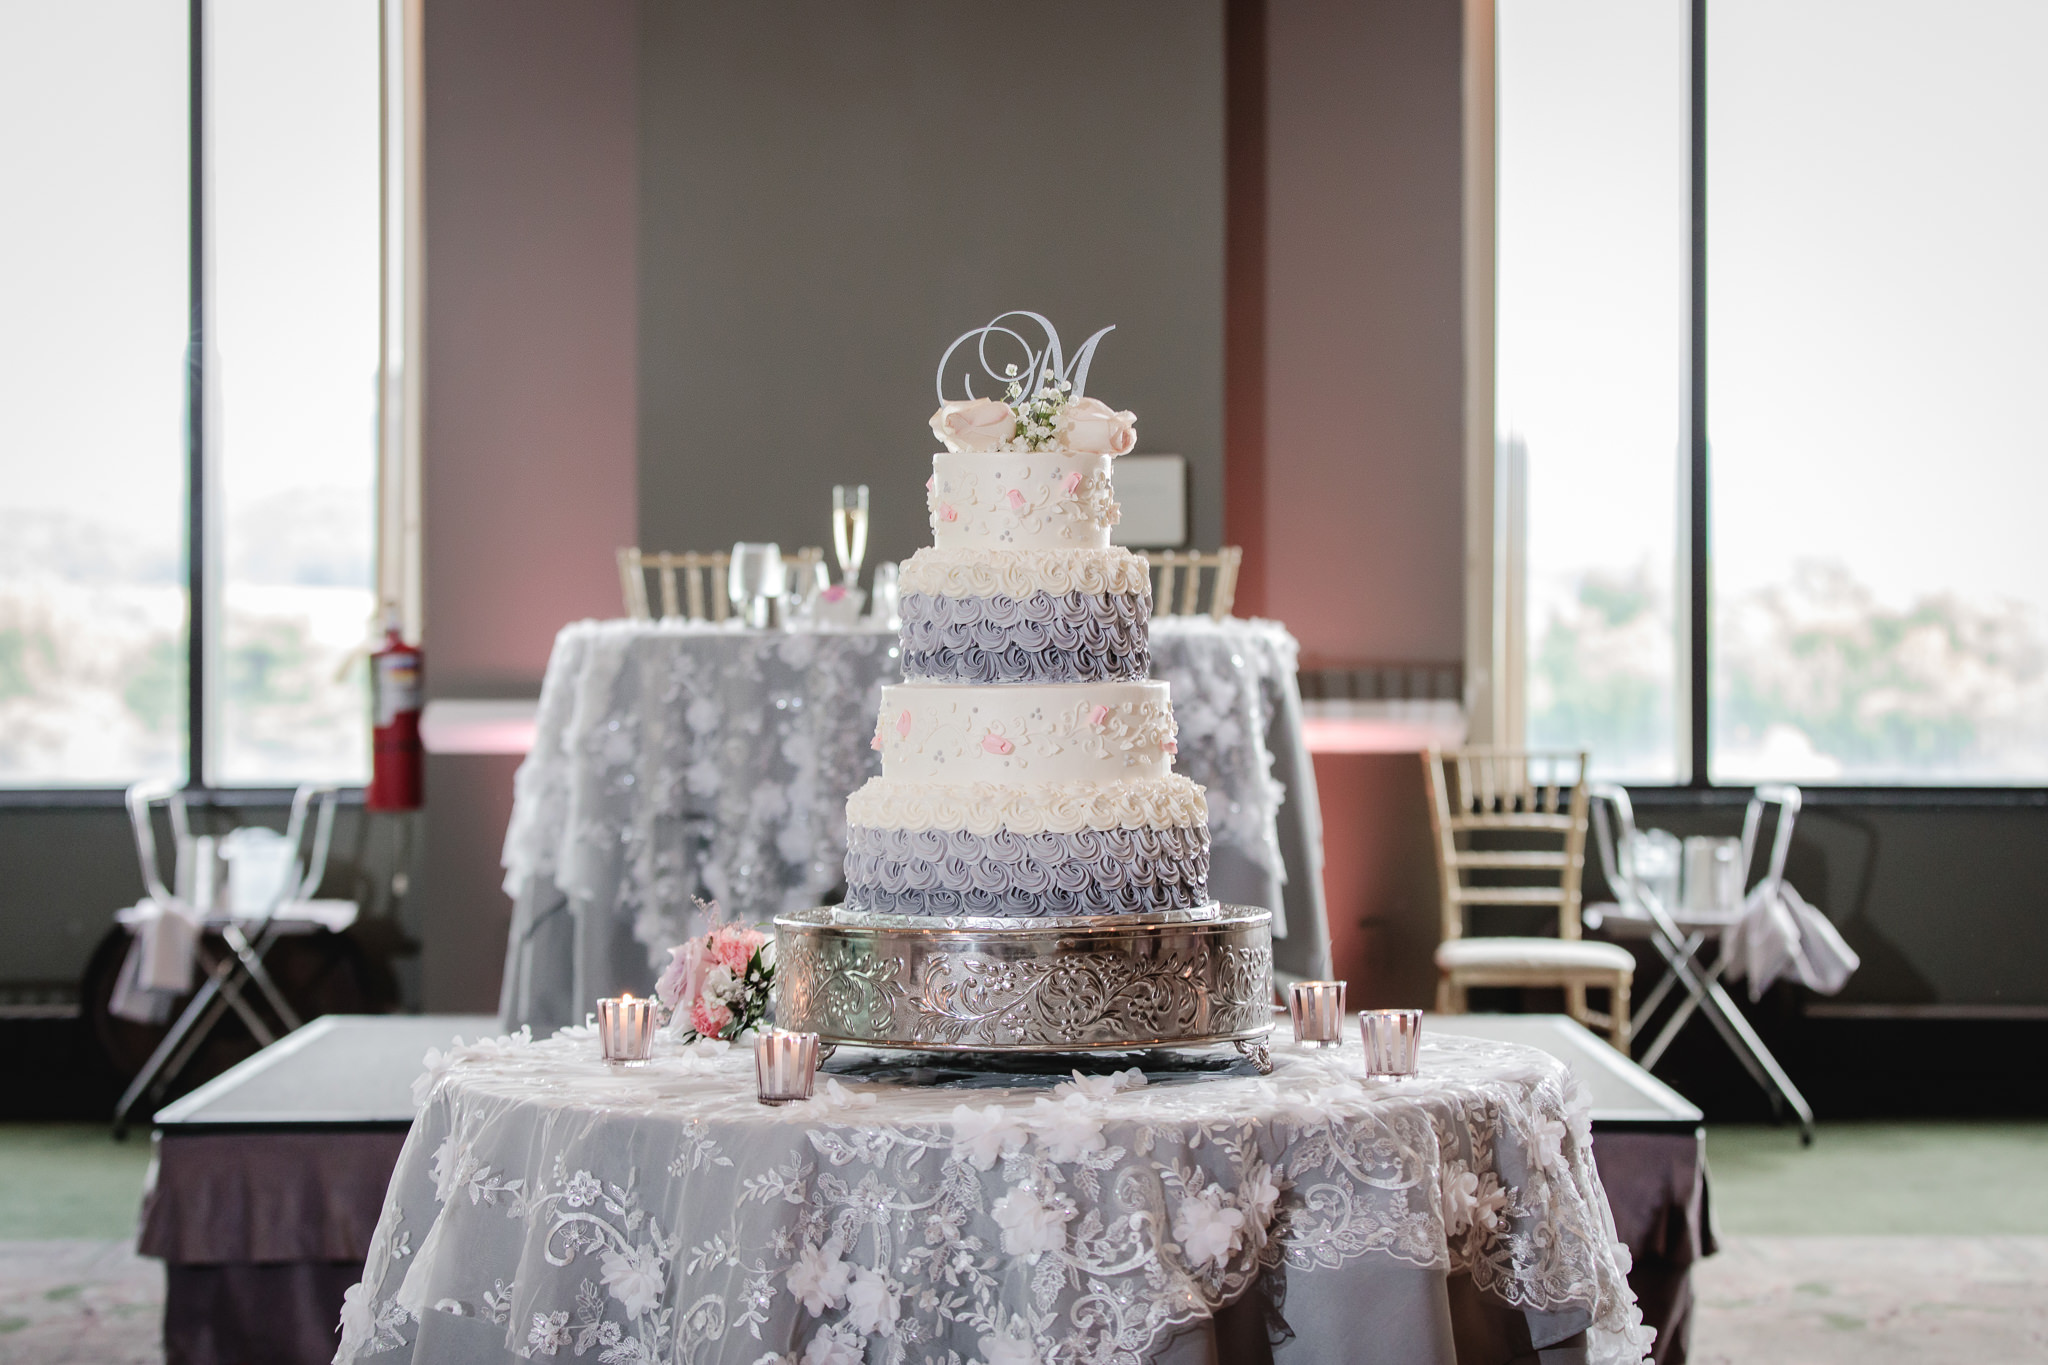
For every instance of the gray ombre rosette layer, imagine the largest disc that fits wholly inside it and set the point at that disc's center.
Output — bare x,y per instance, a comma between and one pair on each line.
1044,638
1021,876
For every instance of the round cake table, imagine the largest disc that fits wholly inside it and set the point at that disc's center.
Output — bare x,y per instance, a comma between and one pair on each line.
549,1206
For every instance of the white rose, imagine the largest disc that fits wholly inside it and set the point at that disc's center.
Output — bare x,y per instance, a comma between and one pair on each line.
976,424
1088,426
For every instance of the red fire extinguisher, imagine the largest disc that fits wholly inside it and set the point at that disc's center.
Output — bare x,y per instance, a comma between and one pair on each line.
397,762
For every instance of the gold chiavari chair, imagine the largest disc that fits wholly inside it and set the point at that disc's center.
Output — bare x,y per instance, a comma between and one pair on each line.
1510,827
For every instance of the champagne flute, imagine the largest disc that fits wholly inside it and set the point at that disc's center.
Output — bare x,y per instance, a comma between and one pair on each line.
850,530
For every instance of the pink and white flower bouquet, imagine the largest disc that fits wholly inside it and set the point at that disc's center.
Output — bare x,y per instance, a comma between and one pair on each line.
717,986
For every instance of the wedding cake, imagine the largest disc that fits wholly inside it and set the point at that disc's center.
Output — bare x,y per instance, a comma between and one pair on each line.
1027,758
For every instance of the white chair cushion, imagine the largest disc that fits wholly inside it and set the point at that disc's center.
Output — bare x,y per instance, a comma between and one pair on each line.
1535,954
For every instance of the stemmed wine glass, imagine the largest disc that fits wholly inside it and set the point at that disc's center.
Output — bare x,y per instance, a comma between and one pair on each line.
850,530
754,579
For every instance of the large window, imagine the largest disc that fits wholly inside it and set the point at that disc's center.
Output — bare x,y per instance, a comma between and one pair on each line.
1875,588
116,533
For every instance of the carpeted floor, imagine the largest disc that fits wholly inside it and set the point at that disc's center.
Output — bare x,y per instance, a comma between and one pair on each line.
1873,1300
1884,1242
79,1302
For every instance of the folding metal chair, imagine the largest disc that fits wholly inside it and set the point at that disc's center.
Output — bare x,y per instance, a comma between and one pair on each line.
248,938
1679,936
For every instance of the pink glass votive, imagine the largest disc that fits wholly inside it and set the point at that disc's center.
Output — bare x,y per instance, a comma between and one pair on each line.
625,1029
1392,1039
1317,1008
785,1063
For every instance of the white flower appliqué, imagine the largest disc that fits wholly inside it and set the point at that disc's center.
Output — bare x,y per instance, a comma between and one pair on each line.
1067,1130
581,1191
835,1345
1208,1229
1099,1087
819,1278
635,1278
1007,1349
980,1136
1029,1225
871,1307
1472,1201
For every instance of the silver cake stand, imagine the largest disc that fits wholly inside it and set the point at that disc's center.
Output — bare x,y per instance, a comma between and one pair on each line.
1175,979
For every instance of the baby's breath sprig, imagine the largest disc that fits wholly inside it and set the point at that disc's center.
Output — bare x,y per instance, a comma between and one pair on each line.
1038,415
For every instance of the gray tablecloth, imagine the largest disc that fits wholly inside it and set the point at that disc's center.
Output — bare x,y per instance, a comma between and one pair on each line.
674,761
546,1205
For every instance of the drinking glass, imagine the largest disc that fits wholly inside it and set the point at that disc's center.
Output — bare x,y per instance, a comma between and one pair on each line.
849,529
887,606
754,580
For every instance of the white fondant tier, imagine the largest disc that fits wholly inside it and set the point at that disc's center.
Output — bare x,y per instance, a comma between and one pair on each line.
1020,573
1012,733
1028,808
1021,501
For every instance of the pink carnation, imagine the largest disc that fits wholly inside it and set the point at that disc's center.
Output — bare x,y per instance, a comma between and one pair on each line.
733,946
708,1019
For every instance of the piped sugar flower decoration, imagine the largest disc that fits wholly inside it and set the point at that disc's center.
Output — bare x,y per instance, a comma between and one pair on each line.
903,725
1098,715
1089,426
978,424
1071,480
1015,498
947,512
996,744
718,986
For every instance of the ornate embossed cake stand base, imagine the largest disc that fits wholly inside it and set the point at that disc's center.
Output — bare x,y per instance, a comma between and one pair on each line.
1183,978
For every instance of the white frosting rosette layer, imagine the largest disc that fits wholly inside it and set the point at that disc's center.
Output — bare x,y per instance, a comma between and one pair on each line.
1019,573
1055,807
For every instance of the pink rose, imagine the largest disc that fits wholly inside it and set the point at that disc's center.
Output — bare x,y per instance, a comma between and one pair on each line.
1016,500
1088,426
903,725
1098,715
1072,481
876,742
976,424
683,978
996,744
946,512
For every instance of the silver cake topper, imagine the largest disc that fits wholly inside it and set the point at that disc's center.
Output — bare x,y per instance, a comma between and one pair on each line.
1040,367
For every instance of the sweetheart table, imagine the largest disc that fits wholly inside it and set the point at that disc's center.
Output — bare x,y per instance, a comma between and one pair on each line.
675,759
548,1206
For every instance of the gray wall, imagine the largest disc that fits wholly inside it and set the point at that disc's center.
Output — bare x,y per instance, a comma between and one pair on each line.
830,193
529,440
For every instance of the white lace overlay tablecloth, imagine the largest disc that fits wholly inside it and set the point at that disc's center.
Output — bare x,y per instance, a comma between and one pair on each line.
674,760
547,1206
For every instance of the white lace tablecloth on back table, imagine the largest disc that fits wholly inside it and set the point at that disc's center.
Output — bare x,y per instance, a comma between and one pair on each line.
547,1206
674,760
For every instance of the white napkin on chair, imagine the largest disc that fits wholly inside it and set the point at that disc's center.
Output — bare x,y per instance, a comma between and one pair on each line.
1780,934
158,968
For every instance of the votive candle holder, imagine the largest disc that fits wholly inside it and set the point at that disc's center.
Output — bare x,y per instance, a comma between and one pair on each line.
625,1029
1392,1040
1317,1008
785,1064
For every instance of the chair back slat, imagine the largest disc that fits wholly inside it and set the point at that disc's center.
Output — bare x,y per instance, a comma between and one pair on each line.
702,583
1178,577
1487,791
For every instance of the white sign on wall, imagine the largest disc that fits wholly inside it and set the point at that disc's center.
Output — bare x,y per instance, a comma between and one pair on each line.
1153,492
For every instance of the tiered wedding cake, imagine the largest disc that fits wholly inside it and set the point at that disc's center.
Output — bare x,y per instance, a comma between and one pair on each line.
1028,874
1026,765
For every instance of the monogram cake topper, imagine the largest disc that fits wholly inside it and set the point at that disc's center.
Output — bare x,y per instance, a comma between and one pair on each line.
1045,367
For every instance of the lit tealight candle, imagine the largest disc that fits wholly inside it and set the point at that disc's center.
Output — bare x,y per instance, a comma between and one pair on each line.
625,1029
1318,1010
